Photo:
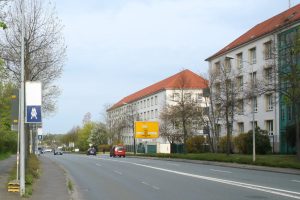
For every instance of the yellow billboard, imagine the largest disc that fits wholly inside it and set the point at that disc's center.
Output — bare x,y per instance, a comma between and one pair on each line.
146,130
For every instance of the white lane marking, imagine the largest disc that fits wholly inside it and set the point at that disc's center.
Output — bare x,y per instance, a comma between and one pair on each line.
145,183
118,172
173,164
296,181
98,165
276,191
216,170
155,187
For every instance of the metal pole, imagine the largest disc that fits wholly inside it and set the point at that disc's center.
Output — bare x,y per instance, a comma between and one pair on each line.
253,129
18,146
22,130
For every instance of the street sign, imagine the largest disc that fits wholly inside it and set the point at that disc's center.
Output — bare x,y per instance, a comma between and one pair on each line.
40,137
15,107
33,102
33,114
146,130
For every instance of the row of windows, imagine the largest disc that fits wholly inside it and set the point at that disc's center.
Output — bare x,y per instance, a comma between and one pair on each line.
146,103
267,53
151,114
187,96
268,126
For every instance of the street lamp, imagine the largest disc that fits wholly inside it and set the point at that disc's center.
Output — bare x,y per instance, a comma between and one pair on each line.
253,106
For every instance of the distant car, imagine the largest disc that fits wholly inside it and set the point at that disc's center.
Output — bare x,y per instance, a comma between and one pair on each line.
58,152
91,151
47,150
118,150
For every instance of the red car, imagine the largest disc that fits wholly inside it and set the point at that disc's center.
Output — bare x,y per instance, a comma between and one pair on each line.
117,151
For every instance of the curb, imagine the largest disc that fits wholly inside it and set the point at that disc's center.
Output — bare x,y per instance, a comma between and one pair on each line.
224,164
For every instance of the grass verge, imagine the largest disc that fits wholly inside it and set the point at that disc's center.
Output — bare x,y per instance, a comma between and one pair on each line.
4,156
32,173
282,161
70,185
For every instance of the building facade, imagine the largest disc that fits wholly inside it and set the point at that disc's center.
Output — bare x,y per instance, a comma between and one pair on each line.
251,65
148,103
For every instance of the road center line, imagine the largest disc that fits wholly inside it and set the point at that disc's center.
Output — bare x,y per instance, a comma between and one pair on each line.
98,165
275,191
216,170
297,181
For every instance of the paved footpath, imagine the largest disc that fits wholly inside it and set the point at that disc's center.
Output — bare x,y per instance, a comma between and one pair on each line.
50,186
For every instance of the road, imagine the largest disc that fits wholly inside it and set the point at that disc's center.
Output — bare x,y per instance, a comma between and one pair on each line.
105,178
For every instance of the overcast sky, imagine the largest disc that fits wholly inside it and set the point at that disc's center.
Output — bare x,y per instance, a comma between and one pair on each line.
117,47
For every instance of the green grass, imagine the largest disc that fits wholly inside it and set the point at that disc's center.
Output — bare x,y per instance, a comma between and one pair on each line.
4,156
283,161
70,185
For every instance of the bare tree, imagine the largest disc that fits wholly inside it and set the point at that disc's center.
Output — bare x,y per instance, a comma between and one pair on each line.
225,96
45,50
184,113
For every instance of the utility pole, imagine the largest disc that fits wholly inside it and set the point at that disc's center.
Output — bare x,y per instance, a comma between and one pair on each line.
22,115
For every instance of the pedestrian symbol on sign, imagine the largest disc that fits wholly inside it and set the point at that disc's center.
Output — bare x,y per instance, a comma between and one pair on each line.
33,113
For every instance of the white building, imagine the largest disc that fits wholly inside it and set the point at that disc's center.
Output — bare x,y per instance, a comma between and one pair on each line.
253,54
147,104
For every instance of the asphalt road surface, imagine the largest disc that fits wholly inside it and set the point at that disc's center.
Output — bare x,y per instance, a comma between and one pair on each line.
105,178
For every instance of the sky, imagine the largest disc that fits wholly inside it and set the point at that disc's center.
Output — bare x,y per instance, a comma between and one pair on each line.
117,47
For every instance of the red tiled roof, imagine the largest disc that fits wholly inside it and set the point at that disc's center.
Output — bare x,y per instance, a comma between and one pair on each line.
185,79
281,20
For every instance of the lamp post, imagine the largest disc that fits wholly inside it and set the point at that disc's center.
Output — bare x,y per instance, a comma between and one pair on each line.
253,106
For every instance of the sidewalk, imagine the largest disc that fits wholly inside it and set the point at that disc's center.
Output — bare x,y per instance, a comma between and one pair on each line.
52,184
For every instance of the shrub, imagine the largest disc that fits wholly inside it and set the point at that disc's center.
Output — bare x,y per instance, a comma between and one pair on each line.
240,142
195,144
244,142
222,146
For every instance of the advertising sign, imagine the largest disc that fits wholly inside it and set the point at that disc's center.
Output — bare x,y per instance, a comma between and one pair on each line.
146,130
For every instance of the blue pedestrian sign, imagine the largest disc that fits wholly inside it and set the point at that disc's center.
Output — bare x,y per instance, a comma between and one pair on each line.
33,114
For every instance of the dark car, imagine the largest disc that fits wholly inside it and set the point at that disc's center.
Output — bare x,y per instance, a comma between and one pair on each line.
117,151
58,152
91,151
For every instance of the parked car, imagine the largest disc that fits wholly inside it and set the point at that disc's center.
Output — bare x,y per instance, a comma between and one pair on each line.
118,150
58,152
91,151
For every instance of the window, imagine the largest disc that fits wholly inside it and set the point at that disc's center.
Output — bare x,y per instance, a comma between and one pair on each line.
254,104
155,100
152,114
144,103
176,97
148,115
218,128
218,89
269,102
268,75
187,96
252,55
269,128
152,101
156,113
228,65
241,127
253,79
255,124
217,68
239,60
148,102
241,107
145,117
199,97
268,50
240,82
